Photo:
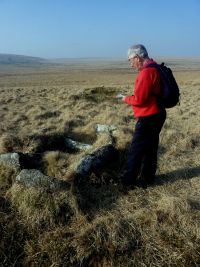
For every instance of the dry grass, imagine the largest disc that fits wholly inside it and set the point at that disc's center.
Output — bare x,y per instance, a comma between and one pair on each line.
40,209
7,176
9,143
100,225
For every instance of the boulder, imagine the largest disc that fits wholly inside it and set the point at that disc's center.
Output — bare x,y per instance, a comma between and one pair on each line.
97,160
34,178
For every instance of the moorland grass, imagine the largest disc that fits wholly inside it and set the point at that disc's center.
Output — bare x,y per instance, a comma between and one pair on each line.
99,224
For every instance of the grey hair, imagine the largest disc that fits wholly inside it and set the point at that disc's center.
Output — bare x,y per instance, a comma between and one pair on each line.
137,50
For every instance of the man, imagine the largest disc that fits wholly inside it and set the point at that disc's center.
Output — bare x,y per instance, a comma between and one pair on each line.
142,156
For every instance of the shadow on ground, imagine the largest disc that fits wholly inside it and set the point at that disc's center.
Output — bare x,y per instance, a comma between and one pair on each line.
181,174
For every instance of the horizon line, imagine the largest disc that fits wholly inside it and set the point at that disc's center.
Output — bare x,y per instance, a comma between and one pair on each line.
98,57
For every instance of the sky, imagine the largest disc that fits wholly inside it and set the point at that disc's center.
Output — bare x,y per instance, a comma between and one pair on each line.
99,28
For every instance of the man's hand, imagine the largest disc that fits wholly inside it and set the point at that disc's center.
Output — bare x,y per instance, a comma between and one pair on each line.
120,96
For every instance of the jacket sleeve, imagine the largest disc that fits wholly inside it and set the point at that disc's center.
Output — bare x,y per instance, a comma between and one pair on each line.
143,88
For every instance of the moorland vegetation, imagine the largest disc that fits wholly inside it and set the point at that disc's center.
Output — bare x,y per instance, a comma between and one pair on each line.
95,223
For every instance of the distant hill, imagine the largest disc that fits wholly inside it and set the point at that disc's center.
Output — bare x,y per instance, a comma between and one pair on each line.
20,59
10,61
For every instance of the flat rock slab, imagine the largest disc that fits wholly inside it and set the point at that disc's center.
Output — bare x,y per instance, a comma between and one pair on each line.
10,160
34,178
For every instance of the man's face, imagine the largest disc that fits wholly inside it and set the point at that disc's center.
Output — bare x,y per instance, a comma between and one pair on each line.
135,62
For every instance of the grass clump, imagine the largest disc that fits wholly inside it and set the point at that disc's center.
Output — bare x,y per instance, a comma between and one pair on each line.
97,94
9,143
7,176
107,239
52,248
169,234
99,243
12,240
41,209
55,163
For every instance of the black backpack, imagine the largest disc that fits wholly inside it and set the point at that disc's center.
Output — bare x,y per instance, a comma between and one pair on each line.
170,92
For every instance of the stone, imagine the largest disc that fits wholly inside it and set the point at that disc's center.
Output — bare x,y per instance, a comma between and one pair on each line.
35,178
97,160
109,131
11,160
103,128
74,145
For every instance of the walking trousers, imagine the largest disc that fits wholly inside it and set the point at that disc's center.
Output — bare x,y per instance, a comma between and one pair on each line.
142,155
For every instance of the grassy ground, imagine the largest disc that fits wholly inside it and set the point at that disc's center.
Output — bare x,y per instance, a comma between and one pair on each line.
157,226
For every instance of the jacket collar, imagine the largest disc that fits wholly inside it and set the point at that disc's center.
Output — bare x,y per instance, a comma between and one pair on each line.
150,61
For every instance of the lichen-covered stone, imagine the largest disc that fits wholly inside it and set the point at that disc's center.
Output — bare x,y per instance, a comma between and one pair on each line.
97,160
10,160
35,178
74,145
103,128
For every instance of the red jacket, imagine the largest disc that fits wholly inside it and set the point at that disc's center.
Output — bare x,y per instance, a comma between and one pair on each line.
147,84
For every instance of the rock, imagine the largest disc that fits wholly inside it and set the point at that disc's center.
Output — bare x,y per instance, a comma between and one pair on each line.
95,163
74,145
97,160
103,128
108,130
32,177
10,160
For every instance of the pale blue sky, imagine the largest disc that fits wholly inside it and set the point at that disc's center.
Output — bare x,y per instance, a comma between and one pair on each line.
101,28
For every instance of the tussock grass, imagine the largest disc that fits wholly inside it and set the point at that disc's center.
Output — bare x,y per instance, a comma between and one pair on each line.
107,238
165,224
97,225
55,163
9,143
13,236
51,248
99,94
7,176
157,233
41,209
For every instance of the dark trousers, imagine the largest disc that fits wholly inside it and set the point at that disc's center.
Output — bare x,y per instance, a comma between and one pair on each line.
142,156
